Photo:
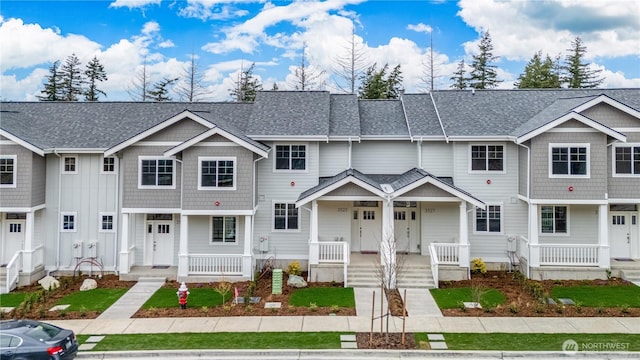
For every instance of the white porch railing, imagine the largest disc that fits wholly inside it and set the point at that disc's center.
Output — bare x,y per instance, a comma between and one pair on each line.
333,252
569,254
13,272
433,256
215,264
448,253
522,247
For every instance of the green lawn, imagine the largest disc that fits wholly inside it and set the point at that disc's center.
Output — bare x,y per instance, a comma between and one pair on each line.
323,296
92,300
198,297
12,299
595,296
451,298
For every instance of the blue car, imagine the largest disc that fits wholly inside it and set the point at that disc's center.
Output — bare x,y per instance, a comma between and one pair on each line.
35,340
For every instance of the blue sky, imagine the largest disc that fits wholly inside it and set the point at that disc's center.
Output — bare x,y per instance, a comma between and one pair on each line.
226,35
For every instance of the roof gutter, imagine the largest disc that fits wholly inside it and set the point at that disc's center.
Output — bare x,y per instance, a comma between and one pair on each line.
433,101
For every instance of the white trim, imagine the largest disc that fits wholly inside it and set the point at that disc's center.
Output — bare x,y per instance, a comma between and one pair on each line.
613,160
216,159
567,202
198,141
75,165
21,142
554,233
173,175
487,172
458,195
21,209
149,211
349,179
627,130
216,212
607,100
571,116
223,243
572,130
14,181
170,121
486,209
115,165
273,217
158,143
288,138
294,171
567,146
113,222
624,201
216,144
75,221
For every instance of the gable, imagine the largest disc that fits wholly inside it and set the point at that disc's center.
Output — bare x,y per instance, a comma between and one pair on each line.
428,190
350,189
611,116
180,131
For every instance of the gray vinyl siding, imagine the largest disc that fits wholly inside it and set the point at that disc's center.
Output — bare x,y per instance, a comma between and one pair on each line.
623,187
146,198
439,223
610,116
38,179
238,199
277,186
437,158
334,220
384,157
200,237
592,188
334,158
523,165
50,215
583,227
20,195
180,131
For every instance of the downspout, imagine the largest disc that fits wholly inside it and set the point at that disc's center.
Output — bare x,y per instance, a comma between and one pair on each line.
58,240
255,205
350,150
181,209
309,259
117,223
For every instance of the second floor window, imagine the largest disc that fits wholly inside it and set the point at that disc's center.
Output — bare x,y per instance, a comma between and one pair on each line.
7,171
217,173
487,158
106,222
68,222
291,157
156,173
569,160
627,160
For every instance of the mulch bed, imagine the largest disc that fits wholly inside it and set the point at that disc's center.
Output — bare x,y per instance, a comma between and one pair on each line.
385,341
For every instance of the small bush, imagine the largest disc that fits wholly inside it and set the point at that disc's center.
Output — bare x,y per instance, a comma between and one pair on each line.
514,308
313,307
540,308
478,266
294,268
624,309
335,308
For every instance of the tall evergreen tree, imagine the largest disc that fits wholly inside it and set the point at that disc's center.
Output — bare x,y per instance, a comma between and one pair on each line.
539,74
483,73
377,84
72,79
190,88
94,73
459,78
53,86
578,74
247,86
160,90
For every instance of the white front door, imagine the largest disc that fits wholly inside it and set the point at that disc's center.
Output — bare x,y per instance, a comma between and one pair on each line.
622,231
366,229
406,229
12,239
160,238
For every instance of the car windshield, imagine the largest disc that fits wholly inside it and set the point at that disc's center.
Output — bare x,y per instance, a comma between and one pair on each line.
42,332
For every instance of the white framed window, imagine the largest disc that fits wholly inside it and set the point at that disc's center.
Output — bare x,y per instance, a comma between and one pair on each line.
569,160
216,173
156,172
107,222
69,164
486,158
109,165
626,160
290,158
223,230
68,222
488,221
554,219
8,171
285,217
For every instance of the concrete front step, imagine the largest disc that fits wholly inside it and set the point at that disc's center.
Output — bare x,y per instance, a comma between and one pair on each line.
416,276
631,275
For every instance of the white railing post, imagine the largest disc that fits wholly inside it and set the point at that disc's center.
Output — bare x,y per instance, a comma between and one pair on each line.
463,254
27,256
604,258
433,257
247,256
345,261
183,251
125,259
534,250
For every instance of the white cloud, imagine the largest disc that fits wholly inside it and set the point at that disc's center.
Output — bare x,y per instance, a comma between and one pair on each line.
420,27
214,9
166,44
131,4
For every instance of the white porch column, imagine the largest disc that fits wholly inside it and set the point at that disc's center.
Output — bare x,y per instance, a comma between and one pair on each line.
125,266
314,250
388,244
27,255
183,252
534,246
463,256
248,242
604,257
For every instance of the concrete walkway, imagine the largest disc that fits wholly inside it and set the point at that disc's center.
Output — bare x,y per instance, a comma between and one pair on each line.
133,299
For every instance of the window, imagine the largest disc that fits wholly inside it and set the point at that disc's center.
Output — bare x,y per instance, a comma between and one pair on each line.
8,171
109,165
106,222
285,216
487,158
627,160
291,157
156,172
217,174
70,164
569,160
489,220
68,222
223,229
554,219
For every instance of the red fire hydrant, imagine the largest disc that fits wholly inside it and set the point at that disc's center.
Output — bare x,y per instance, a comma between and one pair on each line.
182,293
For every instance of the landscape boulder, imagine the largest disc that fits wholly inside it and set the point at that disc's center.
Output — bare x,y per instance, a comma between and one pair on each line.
296,281
49,282
88,284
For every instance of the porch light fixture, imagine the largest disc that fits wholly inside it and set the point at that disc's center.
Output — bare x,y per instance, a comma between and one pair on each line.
217,203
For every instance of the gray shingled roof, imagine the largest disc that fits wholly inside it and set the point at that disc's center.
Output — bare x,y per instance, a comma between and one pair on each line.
382,118
421,115
290,113
344,118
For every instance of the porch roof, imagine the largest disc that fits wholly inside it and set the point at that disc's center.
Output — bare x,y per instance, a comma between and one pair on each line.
386,186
